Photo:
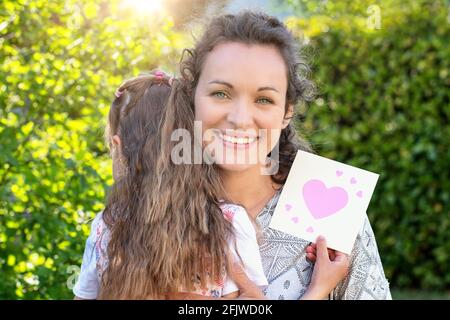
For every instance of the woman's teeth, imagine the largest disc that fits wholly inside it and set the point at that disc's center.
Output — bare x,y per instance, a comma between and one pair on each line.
237,140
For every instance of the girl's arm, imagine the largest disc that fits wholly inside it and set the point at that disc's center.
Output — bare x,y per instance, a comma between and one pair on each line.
87,285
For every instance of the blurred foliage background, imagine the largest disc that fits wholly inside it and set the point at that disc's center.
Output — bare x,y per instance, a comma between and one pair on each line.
382,69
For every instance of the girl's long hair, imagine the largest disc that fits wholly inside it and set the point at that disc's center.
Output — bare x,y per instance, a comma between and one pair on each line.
166,228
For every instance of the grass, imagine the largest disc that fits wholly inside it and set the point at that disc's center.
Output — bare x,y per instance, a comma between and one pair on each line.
401,294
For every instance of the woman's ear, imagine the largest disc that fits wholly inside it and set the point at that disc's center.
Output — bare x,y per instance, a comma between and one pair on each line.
288,116
117,159
116,141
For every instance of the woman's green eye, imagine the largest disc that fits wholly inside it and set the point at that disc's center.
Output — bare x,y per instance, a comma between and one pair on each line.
265,101
219,94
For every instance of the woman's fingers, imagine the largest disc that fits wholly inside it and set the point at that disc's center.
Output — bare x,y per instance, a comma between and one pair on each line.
341,263
341,255
311,257
312,248
246,287
343,259
331,254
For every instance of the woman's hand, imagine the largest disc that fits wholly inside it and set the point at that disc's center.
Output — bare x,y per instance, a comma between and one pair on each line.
247,289
327,272
311,253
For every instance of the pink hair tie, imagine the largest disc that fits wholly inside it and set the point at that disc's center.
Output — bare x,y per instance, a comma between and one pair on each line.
159,75
118,93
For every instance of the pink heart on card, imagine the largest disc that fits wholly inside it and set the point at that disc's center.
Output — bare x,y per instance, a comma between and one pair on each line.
339,173
294,219
353,181
287,206
359,194
310,230
322,201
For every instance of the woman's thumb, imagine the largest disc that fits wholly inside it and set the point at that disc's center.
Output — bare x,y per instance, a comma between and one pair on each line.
322,252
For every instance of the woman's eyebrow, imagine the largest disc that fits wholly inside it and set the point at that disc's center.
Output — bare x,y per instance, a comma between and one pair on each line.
221,82
231,86
268,88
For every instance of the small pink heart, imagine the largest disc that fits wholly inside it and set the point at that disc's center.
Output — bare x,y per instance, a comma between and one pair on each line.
294,219
339,173
353,181
287,206
310,230
359,194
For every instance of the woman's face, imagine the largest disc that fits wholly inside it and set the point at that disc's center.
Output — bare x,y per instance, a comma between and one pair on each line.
241,96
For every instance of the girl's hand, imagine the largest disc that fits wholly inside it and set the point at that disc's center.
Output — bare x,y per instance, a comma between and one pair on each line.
327,273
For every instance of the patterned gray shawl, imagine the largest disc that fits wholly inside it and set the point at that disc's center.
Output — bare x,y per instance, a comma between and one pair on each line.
289,272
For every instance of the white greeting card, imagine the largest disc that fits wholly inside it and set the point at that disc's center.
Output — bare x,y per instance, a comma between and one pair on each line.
324,197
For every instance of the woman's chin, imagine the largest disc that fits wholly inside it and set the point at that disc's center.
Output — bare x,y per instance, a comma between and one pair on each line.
236,167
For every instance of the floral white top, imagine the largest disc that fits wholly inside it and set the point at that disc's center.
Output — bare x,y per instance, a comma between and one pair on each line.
95,258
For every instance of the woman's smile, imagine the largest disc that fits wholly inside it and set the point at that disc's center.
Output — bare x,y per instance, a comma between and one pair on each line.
237,140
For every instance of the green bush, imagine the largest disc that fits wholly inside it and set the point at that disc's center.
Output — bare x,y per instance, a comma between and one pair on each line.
384,106
60,63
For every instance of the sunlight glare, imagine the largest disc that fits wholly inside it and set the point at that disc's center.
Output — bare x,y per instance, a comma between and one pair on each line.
144,6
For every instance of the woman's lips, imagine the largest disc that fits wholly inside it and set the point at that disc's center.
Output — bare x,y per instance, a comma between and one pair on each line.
237,141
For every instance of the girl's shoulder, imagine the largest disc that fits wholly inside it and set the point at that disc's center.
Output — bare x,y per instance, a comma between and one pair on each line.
233,212
98,227
239,218
94,260
99,235
100,238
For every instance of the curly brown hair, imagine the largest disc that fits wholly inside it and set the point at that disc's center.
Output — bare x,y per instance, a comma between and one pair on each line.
251,27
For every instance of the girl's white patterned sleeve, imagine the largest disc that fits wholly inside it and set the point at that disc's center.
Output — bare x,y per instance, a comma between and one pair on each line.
87,285
246,250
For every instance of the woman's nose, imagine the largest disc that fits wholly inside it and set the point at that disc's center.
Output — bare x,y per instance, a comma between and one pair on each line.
241,115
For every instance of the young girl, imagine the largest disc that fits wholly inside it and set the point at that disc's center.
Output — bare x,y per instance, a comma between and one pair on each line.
163,229
152,237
